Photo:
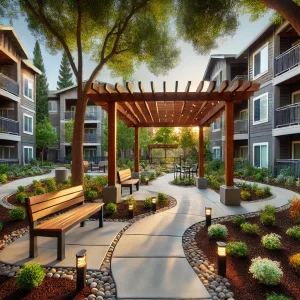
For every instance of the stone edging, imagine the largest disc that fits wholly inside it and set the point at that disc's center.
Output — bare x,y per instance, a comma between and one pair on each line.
217,286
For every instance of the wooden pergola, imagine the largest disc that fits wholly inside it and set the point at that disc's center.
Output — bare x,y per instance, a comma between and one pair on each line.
171,109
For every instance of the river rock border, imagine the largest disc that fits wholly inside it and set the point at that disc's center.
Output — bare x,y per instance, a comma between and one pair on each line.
217,286
101,282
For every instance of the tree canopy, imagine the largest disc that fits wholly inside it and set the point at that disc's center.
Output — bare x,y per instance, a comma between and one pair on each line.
65,77
41,86
69,130
165,135
187,140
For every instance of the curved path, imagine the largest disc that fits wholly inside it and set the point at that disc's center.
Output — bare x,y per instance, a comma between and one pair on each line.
149,261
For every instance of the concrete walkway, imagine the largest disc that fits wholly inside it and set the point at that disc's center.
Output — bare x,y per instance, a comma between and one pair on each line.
149,262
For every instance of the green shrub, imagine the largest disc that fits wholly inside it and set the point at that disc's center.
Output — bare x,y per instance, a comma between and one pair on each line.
31,276
39,191
217,231
260,192
271,241
269,209
110,208
267,219
130,200
238,220
254,187
21,197
267,190
161,198
3,178
277,297
90,195
245,195
237,249
280,179
294,232
17,214
266,271
152,175
148,202
1,226
259,177
50,184
250,228
289,181
21,188
287,172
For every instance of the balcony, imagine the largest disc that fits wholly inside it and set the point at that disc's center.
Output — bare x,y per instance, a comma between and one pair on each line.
288,115
8,126
293,164
287,60
240,126
89,116
9,85
90,138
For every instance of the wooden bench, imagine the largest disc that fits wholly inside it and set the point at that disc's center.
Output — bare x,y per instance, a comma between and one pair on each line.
41,206
125,179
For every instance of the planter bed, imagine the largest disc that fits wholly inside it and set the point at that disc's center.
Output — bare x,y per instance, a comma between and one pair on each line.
242,283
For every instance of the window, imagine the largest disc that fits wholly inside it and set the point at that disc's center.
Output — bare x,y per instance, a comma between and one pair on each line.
28,88
260,61
260,109
216,152
27,124
296,150
216,126
6,152
52,106
244,114
260,155
90,152
244,152
90,130
28,154
296,97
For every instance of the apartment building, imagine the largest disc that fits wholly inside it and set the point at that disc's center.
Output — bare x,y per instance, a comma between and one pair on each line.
273,61
17,100
62,107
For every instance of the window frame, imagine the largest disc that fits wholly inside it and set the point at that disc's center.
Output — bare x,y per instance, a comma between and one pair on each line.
217,148
255,99
293,143
246,109
52,111
29,80
218,129
31,117
27,147
253,68
293,94
2,147
261,144
243,147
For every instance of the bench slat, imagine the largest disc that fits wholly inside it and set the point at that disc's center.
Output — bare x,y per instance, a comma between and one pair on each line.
45,197
56,208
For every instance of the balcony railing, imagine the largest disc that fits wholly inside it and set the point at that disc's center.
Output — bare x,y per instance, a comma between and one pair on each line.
288,115
88,116
240,126
9,126
293,164
9,85
90,138
287,60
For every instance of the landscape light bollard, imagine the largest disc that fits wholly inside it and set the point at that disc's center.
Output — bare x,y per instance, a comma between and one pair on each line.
208,216
81,269
221,258
154,204
130,211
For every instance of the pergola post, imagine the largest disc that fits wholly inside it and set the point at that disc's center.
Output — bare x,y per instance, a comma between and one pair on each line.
229,194
136,152
112,192
201,181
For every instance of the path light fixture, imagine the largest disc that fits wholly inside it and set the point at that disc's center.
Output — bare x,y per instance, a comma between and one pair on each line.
154,201
81,269
208,216
130,211
221,258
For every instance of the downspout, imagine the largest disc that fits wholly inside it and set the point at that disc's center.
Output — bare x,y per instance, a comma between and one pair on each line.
248,66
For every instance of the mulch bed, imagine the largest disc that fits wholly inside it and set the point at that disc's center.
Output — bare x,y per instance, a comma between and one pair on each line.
49,289
243,285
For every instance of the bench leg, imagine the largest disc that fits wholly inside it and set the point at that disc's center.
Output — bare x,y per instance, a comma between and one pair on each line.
130,189
82,224
33,248
101,217
137,186
61,247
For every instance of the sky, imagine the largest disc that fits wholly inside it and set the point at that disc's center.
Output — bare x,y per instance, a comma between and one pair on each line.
191,67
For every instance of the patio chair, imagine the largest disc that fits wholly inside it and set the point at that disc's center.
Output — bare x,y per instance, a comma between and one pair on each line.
194,169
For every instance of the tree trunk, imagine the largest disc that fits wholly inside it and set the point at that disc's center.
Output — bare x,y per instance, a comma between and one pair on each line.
288,9
42,154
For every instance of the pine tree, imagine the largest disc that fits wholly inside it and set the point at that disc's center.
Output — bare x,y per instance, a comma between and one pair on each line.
41,86
65,74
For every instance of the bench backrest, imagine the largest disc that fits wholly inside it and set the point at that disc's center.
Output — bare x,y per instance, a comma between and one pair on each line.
124,175
103,163
43,205
86,163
